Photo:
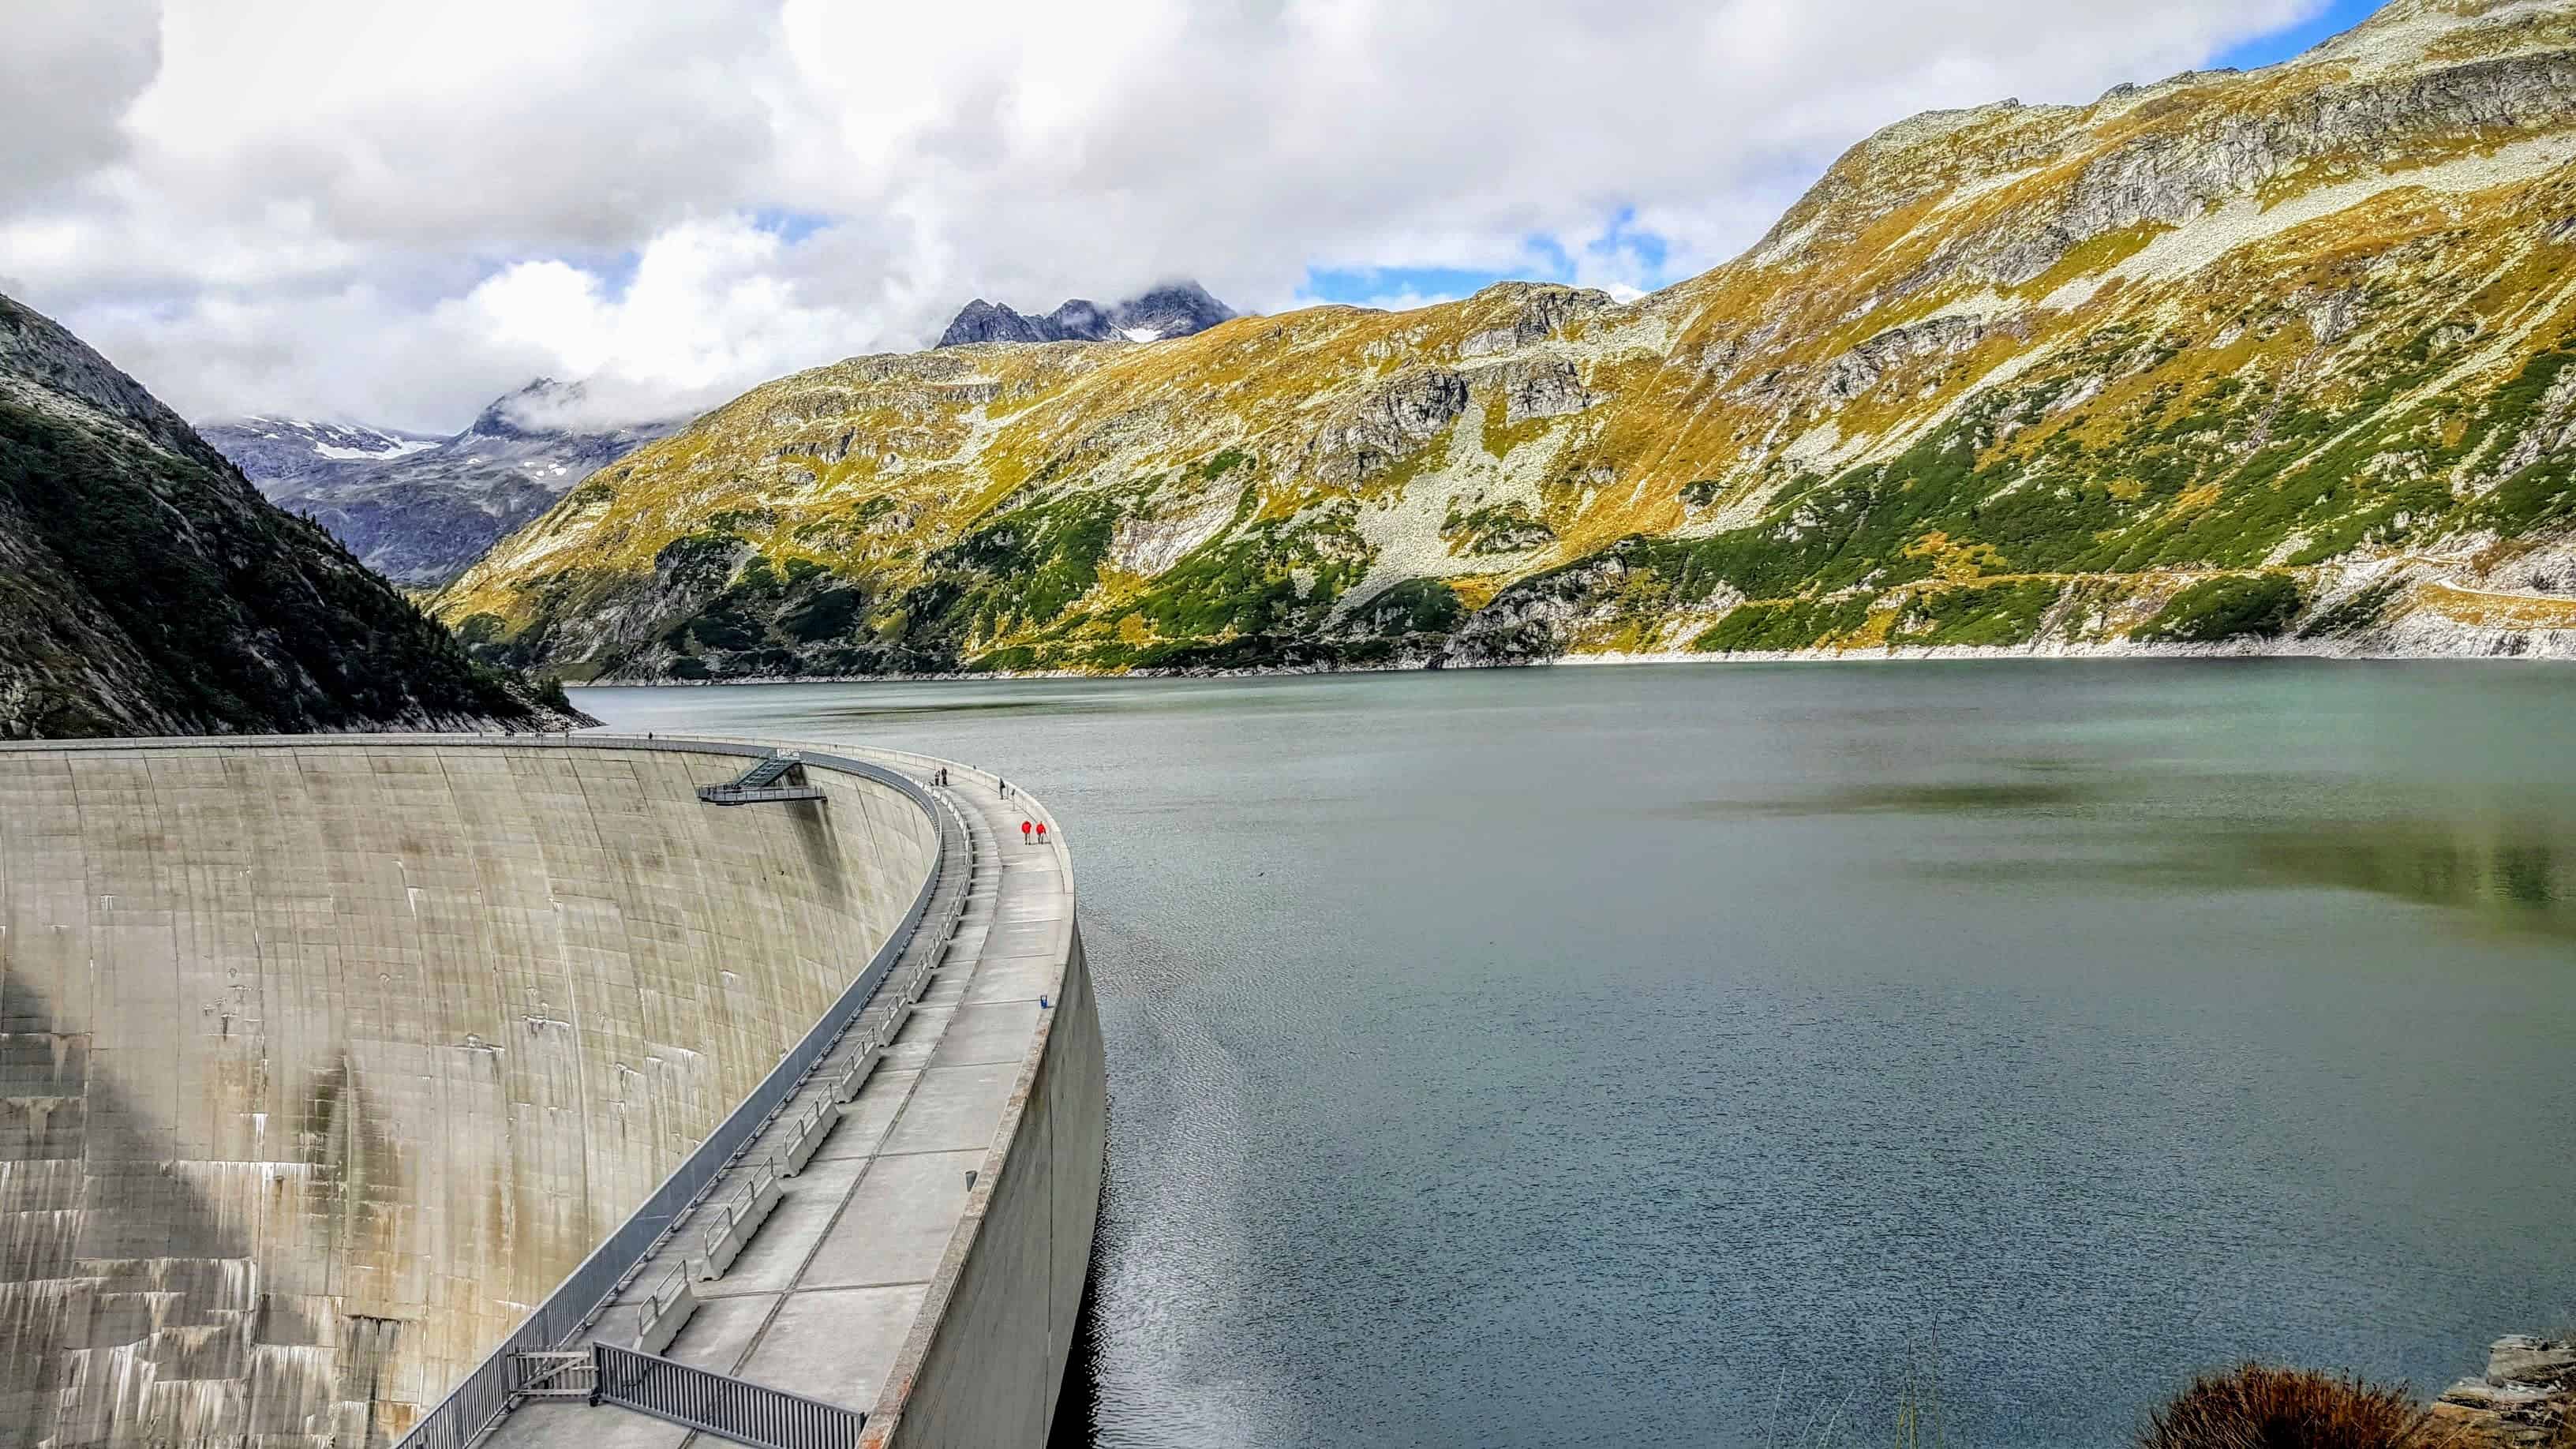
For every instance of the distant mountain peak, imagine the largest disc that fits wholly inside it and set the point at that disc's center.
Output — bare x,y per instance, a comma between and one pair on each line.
540,406
418,508
1174,309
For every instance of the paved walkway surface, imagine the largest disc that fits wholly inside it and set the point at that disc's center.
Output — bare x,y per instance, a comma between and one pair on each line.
821,1300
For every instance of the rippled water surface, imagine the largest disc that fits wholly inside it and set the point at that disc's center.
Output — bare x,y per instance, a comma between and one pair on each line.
1654,1056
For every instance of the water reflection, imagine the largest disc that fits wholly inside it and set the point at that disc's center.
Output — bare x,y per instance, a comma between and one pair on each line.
2507,870
1936,798
2514,870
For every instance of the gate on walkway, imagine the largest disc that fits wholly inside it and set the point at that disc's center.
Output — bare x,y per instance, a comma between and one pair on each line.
718,1404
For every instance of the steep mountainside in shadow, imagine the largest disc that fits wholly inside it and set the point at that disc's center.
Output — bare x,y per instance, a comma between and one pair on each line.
2266,361
146,589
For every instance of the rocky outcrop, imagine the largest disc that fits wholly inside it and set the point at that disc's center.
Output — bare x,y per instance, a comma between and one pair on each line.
2213,151
1539,313
1535,387
1539,618
145,588
980,321
1859,370
1181,309
2525,1400
1386,425
1177,309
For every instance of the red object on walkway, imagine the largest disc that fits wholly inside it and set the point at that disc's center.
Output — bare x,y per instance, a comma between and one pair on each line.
1041,832
1024,832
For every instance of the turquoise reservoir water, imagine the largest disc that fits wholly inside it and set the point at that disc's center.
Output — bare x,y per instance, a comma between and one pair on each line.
1650,1056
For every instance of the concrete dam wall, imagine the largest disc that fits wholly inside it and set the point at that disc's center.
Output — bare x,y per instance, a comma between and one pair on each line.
322,1061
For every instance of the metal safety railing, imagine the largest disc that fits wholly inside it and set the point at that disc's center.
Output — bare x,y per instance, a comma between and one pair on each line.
1035,808
486,1392
781,777
665,1311
729,1408
737,1218
807,1136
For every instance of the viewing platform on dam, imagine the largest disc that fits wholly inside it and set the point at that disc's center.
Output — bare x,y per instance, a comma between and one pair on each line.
377,1089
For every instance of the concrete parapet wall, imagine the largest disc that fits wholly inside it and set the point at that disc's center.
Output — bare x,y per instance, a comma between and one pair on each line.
321,1062
987,1360
991,1356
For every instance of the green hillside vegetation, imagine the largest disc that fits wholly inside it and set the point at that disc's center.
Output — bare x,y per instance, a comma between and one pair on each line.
2250,362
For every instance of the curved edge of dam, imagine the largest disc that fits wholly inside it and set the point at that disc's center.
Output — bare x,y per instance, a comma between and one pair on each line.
400,1028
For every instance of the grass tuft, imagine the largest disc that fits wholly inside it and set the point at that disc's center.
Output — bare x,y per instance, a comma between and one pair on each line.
2260,1407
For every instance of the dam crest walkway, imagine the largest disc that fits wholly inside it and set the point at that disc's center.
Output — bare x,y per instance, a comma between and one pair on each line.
840,1283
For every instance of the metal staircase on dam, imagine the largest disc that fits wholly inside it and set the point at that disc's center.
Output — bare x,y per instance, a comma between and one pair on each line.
779,777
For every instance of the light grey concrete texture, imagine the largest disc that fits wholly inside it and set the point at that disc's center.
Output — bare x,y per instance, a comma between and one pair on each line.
887,1280
984,1362
321,1061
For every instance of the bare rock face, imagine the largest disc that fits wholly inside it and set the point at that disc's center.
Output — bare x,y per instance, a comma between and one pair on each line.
2174,177
1388,424
981,321
1542,387
1544,312
278,453
2526,1399
1859,370
1178,309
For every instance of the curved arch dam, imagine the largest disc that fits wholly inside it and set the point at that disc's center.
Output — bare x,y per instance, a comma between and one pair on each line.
330,1067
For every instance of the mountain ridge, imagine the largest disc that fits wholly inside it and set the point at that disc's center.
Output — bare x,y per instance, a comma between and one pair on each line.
145,588
1173,309
419,508
2262,361
276,452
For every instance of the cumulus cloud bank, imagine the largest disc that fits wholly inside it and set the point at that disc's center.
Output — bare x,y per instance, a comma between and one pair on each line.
395,214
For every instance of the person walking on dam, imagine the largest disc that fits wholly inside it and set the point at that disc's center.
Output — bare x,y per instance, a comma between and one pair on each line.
1024,832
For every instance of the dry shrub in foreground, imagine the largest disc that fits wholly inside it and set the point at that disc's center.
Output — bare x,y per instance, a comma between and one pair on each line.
2257,1407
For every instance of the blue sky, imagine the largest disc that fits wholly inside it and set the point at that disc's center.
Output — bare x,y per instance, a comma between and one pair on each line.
2339,16
1548,261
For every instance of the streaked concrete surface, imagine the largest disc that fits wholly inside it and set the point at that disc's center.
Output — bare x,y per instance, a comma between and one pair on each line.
883,1282
324,1059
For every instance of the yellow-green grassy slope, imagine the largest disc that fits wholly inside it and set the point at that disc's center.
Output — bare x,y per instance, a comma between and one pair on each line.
2273,361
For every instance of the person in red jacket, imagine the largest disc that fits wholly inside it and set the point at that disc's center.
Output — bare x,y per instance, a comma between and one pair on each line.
1041,832
1024,832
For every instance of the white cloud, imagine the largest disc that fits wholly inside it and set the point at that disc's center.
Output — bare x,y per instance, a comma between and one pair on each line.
396,213
67,75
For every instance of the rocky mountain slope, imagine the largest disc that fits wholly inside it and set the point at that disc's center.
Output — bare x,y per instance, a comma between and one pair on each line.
2268,361
419,509
146,589
1180,309
277,453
